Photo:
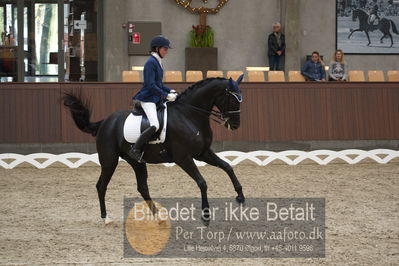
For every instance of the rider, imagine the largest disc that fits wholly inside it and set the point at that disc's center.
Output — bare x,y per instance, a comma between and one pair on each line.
152,93
374,13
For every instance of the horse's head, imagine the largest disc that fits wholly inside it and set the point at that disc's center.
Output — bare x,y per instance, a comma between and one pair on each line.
358,13
229,103
354,14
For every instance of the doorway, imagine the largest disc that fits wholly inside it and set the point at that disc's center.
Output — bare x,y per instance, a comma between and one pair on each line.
53,48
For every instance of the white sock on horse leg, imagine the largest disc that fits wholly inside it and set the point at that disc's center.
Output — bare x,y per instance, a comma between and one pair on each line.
107,220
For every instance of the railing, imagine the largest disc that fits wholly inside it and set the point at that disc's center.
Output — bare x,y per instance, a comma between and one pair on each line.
33,112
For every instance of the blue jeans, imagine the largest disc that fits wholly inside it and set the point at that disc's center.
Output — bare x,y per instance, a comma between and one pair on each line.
274,62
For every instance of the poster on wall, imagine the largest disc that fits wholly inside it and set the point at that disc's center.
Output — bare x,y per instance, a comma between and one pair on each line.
367,26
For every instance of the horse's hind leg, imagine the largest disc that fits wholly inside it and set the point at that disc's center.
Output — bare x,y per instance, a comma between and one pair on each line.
390,36
108,162
368,37
382,38
211,158
140,169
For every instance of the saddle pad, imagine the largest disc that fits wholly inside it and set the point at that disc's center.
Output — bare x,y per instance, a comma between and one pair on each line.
133,127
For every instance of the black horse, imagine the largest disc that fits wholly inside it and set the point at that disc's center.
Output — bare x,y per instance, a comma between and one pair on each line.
384,25
189,137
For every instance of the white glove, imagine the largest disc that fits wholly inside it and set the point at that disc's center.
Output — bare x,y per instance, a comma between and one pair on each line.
171,97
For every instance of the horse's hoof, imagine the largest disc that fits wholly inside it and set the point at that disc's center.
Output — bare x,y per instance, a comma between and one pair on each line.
162,223
206,217
107,220
240,199
205,221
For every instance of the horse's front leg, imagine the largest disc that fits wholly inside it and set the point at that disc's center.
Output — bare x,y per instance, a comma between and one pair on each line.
188,165
211,158
353,31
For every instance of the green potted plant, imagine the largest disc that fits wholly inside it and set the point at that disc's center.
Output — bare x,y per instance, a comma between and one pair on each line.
201,55
201,36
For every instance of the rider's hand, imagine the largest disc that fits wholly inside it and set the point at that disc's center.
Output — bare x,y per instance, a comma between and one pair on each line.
174,92
171,97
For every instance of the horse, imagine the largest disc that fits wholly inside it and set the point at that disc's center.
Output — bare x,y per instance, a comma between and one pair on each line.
384,25
188,137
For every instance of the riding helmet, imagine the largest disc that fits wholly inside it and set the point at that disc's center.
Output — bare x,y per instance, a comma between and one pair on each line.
160,41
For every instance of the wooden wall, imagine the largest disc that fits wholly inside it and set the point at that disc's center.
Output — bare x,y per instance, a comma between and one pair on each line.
33,112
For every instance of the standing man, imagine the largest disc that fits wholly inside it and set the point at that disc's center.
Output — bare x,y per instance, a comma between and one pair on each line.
276,49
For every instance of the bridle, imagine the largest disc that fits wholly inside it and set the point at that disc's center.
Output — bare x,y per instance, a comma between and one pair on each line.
221,117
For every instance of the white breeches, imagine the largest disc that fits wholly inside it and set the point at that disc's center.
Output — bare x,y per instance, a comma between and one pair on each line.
150,110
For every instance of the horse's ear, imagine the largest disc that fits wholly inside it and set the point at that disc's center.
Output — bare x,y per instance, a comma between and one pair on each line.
240,79
231,83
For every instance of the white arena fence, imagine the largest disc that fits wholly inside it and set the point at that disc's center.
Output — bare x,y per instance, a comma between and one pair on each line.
261,158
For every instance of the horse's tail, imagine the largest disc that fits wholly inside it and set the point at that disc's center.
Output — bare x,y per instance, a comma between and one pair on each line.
81,113
394,29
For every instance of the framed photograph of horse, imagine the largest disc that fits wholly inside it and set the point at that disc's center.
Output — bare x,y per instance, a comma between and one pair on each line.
367,26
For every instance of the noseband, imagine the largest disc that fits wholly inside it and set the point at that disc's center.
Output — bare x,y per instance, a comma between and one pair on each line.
224,116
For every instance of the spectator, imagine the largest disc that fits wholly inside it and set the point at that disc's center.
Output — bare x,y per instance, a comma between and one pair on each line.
313,69
338,69
276,43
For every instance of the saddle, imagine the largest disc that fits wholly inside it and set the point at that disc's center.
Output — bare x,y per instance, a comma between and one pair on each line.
373,20
145,123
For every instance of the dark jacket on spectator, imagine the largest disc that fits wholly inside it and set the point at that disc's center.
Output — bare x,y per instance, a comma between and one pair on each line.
274,44
313,71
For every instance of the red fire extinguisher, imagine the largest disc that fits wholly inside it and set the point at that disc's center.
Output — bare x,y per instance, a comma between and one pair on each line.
136,38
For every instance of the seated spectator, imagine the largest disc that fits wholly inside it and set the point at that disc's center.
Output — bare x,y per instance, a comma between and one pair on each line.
313,70
338,69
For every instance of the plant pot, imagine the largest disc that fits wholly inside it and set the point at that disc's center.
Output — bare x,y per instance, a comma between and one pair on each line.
202,58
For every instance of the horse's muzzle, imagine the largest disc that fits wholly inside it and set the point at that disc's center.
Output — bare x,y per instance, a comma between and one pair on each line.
232,125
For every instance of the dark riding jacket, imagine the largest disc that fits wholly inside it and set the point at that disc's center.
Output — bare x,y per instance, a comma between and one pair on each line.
274,45
153,89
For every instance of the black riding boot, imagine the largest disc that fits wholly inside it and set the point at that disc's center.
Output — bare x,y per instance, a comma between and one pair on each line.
137,149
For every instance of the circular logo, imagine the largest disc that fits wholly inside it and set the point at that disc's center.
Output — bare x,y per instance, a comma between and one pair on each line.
148,234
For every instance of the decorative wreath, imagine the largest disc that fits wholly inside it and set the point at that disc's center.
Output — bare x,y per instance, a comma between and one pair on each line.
201,10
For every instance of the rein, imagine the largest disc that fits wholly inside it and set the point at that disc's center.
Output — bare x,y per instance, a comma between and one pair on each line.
214,113
220,116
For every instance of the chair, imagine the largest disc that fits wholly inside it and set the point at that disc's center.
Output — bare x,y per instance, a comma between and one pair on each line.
193,76
295,76
214,74
173,76
131,76
356,75
276,76
393,75
376,75
234,74
256,76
